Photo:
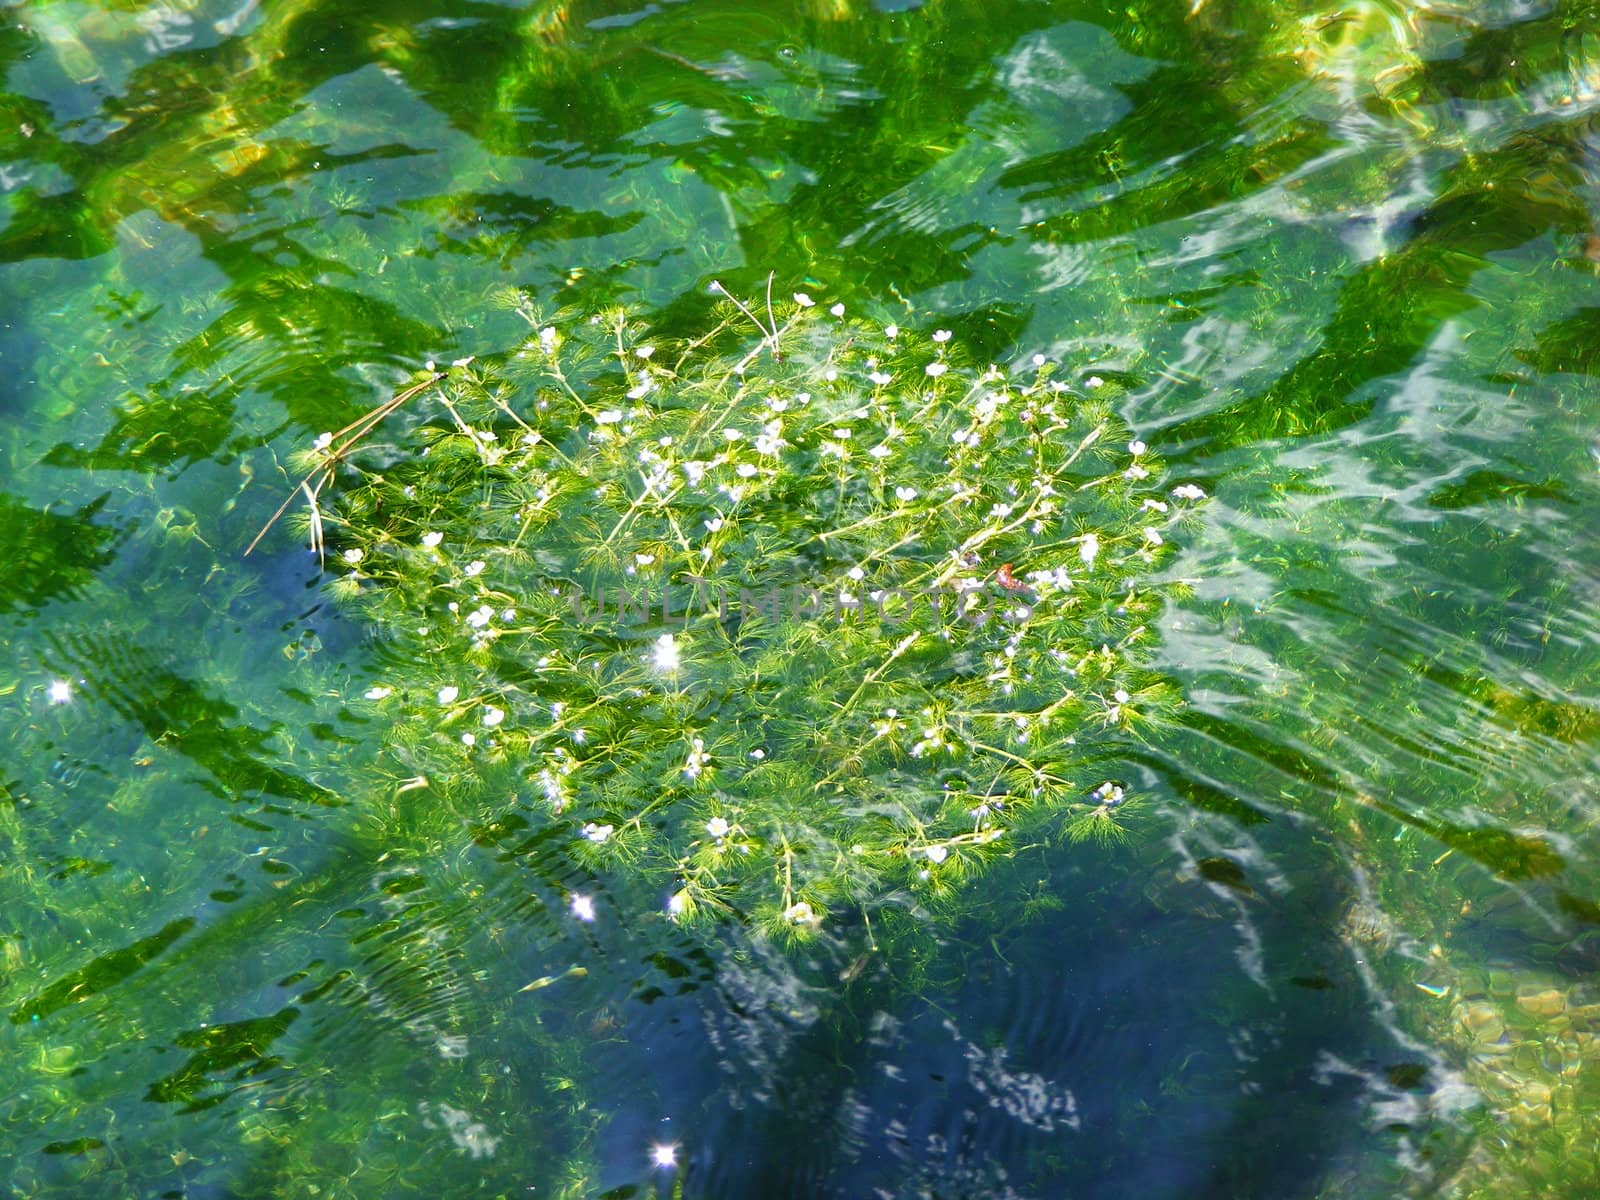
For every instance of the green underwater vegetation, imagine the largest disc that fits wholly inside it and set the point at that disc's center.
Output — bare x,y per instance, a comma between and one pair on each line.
624,715
790,613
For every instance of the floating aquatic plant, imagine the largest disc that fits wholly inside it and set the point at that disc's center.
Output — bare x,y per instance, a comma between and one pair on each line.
799,612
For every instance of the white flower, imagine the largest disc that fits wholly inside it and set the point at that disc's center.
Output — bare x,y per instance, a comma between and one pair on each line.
492,716
937,854
799,914
837,310
941,335
547,337
354,555
777,403
841,432
880,377
891,332
480,616
1153,536
804,301
324,440
698,758
1093,381
1120,696
718,827
905,494
447,695
379,692
1188,491
597,833
770,440
1150,505
430,540
1136,472
881,450
469,739
732,435
665,656
642,390
645,351
582,908
936,369
1089,548
678,904
746,470
1136,447
609,417
714,524
1038,360
475,567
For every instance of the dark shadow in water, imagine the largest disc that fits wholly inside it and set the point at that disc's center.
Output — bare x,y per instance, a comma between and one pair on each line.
50,556
1201,1032
180,714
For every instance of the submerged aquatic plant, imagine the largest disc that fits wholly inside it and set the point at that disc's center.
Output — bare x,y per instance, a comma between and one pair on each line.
805,615
324,458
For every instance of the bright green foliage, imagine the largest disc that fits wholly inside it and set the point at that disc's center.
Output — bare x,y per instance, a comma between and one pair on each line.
904,598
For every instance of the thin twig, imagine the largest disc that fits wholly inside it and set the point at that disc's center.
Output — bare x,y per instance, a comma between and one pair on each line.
772,320
317,542
768,336
340,443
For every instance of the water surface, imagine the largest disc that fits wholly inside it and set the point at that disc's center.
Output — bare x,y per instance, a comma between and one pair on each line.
1340,263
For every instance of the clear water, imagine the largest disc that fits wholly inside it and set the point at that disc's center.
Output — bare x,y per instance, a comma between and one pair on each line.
1342,264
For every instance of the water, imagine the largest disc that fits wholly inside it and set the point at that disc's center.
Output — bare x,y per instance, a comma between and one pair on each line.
1337,265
